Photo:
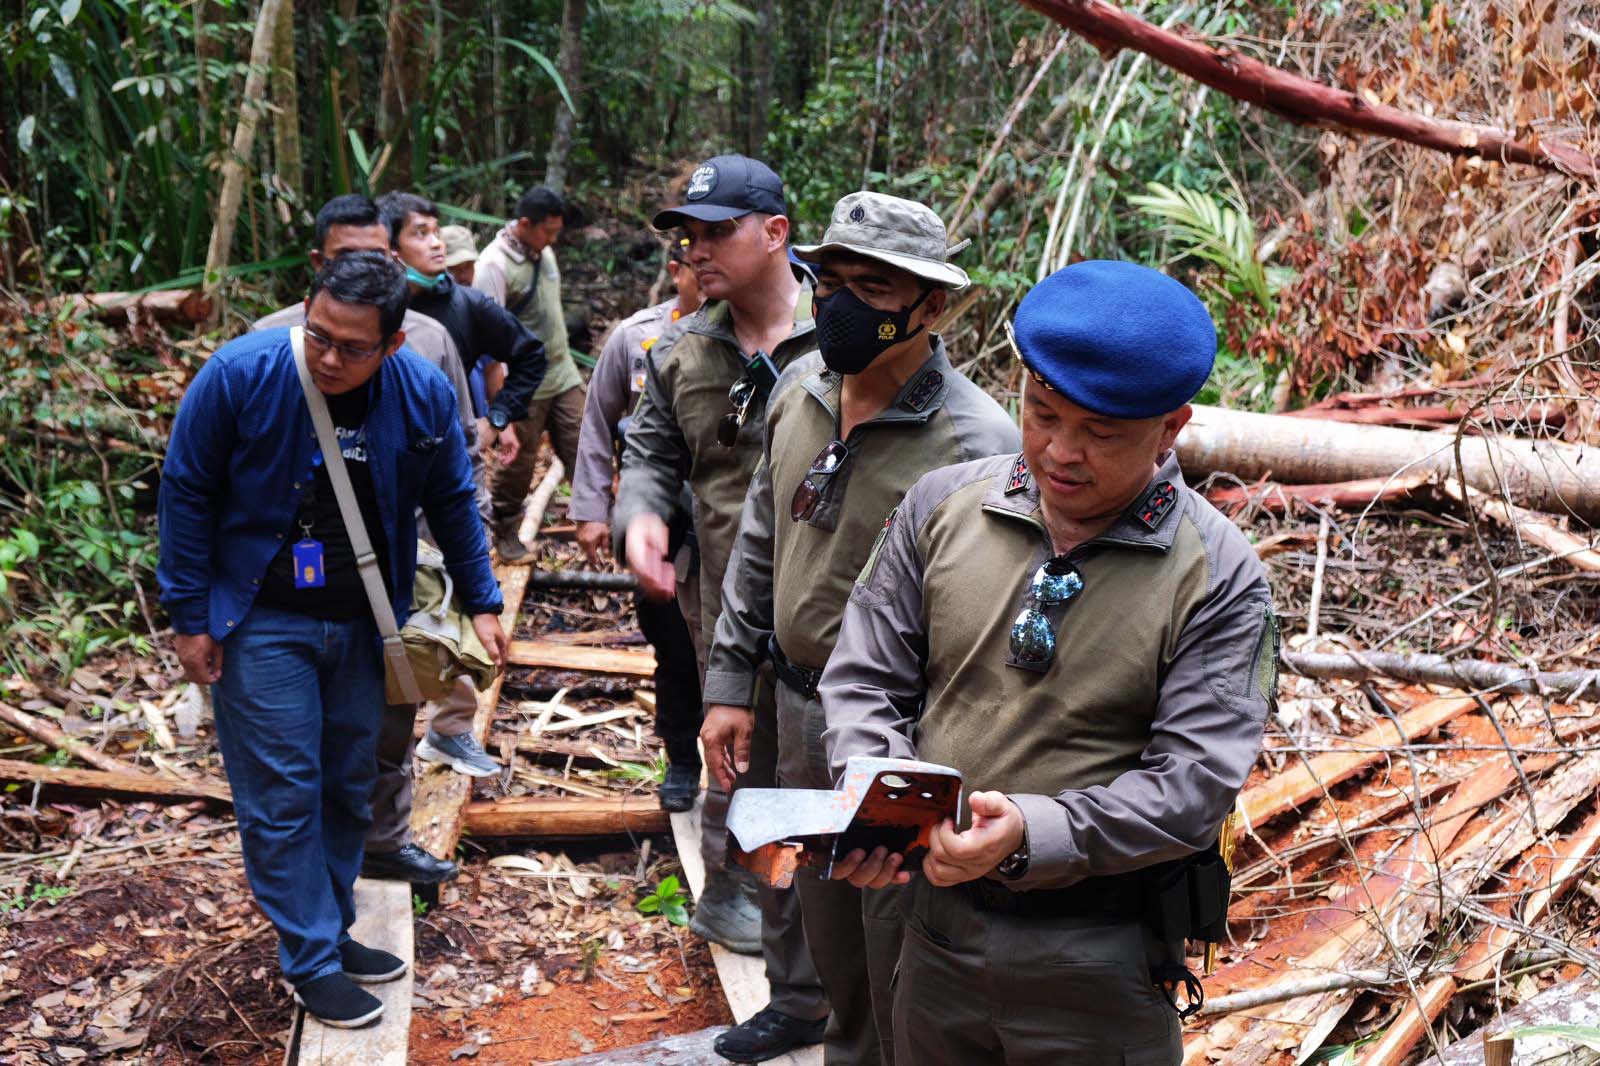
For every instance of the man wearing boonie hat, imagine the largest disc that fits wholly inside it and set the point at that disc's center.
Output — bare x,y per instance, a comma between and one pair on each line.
460,254
1093,646
848,430
707,381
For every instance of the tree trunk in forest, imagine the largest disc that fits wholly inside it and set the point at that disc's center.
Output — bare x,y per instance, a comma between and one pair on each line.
236,164
569,61
1545,475
760,82
405,72
349,64
207,50
286,157
1299,99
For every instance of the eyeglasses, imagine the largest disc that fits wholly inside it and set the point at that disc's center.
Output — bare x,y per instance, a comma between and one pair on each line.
347,352
1033,634
741,396
808,494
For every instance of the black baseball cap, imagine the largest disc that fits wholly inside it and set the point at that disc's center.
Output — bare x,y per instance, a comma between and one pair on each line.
726,187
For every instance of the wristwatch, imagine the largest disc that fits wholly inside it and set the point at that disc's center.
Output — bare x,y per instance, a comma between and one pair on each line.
498,418
1015,865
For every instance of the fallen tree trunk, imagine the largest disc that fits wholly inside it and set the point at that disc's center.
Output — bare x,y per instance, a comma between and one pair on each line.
1547,476
41,729
169,305
1275,498
1465,674
1535,529
1302,100
1538,412
544,816
101,782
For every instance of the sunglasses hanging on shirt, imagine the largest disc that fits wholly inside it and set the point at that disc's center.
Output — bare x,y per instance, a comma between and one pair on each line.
1033,635
808,494
759,377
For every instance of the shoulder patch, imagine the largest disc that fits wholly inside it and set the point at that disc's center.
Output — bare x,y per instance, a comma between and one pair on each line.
1020,478
1156,504
919,397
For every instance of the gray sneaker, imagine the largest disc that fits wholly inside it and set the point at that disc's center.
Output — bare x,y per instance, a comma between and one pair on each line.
726,913
463,754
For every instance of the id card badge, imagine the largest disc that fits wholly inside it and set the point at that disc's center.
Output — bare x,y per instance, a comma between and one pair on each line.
308,564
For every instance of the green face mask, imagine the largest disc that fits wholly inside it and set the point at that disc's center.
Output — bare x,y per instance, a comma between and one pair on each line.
427,281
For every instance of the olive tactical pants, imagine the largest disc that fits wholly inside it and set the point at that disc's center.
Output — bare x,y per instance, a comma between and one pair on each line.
562,415
980,986
397,741
854,935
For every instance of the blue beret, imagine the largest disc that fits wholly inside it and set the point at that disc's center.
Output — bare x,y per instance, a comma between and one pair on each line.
1120,339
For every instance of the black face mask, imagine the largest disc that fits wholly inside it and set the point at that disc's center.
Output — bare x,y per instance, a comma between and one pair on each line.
851,333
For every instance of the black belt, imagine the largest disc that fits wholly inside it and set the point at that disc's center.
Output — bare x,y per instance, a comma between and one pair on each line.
1117,897
802,679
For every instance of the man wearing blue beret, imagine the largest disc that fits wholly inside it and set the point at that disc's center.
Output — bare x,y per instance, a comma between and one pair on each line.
1093,646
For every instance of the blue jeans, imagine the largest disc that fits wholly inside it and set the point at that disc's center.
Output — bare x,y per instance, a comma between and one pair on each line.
298,710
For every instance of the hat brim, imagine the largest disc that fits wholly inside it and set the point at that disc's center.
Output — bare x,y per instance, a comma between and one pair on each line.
673,217
941,273
457,258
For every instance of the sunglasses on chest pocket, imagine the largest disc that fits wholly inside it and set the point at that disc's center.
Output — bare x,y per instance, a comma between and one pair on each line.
808,494
1050,591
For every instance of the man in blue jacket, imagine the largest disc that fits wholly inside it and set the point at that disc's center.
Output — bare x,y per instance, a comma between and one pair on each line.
293,656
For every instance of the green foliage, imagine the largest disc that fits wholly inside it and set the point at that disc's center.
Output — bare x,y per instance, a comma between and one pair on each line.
1218,232
652,774
419,906
1583,1035
668,900
40,893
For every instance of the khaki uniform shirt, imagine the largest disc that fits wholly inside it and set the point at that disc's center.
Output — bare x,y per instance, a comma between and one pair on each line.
1130,748
427,338
505,273
792,578
614,390
673,436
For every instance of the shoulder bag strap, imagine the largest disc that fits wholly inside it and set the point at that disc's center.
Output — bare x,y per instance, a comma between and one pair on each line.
394,650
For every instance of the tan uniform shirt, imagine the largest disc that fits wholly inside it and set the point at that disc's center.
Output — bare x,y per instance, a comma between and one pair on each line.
505,273
1131,746
614,390
791,579
673,435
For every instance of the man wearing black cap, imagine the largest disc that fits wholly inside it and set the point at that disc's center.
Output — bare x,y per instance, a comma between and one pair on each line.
1093,646
701,413
848,430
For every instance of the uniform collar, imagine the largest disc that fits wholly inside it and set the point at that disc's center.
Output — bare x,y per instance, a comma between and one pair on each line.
518,251
924,392
1150,522
715,319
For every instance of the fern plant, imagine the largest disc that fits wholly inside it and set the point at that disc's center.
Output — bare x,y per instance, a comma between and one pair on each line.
1216,231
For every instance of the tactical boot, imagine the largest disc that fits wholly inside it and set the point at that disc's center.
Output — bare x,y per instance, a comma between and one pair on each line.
726,913
767,1034
682,784
508,545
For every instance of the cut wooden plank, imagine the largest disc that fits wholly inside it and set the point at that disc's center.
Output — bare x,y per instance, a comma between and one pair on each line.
1575,1002
685,1049
743,977
440,792
630,661
623,635
134,783
587,720
167,305
43,729
1295,786
1575,551
560,816
383,921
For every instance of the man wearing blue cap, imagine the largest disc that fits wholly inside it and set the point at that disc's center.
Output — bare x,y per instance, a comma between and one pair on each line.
1093,646
708,378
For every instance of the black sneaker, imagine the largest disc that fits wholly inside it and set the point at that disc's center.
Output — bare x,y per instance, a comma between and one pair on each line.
336,1001
678,791
408,863
369,966
768,1034
726,913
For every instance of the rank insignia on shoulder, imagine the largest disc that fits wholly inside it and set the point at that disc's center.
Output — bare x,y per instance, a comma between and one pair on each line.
924,392
1156,503
1020,478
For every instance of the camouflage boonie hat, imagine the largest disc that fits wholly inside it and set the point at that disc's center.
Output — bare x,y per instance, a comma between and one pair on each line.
901,233
459,247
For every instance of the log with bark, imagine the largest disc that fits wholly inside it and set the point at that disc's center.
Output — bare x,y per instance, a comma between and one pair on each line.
1466,674
1275,498
545,816
186,306
42,729
1302,100
135,784
629,661
1575,551
1547,476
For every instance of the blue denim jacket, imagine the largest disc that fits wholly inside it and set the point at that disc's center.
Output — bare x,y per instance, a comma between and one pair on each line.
243,442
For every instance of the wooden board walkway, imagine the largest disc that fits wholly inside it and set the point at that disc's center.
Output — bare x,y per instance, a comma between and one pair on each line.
383,920
633,662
